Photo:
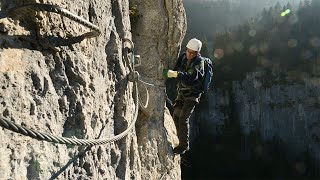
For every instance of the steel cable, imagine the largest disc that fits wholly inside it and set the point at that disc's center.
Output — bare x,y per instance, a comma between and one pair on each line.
7,124
4,122
25,9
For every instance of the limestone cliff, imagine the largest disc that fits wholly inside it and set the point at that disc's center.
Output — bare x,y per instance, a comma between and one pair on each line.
57,81
266,108
281,107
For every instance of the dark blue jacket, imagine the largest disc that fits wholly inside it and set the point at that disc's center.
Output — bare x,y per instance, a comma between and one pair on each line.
190,73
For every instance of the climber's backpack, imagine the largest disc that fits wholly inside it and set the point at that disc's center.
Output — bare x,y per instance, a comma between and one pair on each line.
208,73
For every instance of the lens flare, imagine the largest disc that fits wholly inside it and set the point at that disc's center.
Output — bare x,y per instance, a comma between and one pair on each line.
315,42
238,46
286,12
292,43
218,53
253,50
252,33
264,47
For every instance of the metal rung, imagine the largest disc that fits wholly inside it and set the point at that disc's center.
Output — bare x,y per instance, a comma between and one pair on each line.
137,61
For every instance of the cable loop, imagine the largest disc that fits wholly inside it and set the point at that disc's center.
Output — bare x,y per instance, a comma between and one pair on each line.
7,124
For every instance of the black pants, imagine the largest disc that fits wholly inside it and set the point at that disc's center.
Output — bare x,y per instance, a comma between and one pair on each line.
183,108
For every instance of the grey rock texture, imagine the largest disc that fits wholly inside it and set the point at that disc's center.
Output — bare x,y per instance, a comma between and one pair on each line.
286,109
81,90
276,106
158,34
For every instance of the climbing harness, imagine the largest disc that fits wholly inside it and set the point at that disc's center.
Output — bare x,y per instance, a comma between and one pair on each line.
25,9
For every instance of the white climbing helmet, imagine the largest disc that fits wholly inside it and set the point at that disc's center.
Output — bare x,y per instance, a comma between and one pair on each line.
194,44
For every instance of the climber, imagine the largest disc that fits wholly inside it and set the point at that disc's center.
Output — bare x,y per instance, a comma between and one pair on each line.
189,70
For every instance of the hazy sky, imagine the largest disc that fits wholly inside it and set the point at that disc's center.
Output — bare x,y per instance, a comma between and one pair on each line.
258,3
200,12
244,1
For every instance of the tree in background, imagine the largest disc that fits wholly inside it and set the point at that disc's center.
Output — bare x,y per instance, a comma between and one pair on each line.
280,39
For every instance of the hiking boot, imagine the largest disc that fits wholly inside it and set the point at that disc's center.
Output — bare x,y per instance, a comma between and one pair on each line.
179,150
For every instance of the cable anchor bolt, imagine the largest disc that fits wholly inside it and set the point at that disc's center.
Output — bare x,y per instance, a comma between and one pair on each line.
133,76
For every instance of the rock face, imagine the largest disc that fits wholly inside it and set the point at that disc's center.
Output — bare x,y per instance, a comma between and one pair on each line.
54,81
158,34
286,110
268,108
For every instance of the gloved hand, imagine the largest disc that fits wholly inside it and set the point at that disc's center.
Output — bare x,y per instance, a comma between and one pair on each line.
167,73
172,74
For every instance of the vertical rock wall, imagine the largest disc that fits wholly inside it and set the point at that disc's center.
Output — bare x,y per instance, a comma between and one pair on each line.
269,110
54,82
286,110
158,33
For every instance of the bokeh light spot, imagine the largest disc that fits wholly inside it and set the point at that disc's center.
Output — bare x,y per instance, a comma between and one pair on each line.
315,42
287,11
218,53
252,33
292,43
253,50
238,46
264,47
306,54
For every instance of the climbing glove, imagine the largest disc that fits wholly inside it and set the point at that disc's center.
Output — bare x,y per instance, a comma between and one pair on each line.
167,73
172,74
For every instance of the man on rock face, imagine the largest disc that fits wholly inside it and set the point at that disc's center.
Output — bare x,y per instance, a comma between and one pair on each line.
189,70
